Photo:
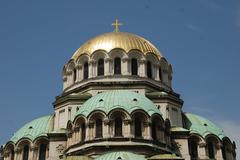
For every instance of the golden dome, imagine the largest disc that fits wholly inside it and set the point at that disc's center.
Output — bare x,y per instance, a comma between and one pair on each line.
112,40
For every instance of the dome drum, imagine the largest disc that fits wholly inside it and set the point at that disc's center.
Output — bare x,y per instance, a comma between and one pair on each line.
116,54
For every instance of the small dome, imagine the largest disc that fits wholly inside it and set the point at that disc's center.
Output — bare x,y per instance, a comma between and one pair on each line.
34,129
113,40
120,156
202,126
127,100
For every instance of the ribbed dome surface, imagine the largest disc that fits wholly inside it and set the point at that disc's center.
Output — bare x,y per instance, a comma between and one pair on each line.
121,155
127,100
34,129
202,126
113,40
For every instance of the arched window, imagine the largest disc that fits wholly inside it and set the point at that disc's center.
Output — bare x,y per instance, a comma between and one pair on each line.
74,75
154,130
12,154
138,127
118,126
83,131
25,152
98,128
193,149
134,66
210,148
149,69
160,73
117,65
100,69
42,152
85,70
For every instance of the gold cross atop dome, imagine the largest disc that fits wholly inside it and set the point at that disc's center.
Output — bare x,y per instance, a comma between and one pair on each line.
116,24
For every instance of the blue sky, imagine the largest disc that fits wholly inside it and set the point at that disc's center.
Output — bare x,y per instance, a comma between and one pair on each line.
199,38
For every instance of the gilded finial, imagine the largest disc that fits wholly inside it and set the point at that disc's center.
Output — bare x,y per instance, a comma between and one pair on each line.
116,25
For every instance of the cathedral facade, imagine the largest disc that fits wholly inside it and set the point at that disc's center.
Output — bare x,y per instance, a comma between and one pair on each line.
118,103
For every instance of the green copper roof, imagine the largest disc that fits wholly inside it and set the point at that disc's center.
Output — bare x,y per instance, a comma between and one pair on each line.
127,100
34,129
178,129
78,158
199,125
165,157
123,155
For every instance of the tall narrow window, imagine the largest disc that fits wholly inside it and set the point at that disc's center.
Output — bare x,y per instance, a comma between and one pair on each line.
160,74
193,149
134,65
98,128
12,154
42,152
100,67
224,152
154,130
83,131
149,69
210,150
74,75
117,65
118,126
25,152
138,127
85,70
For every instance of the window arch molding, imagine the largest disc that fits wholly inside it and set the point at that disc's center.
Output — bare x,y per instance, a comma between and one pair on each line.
211,145
81,61
22,142
139,118
165,70
80,122
42,143
10,148
135,54
71,70
97,119
157,127
117,118
151,62
96,57
193,144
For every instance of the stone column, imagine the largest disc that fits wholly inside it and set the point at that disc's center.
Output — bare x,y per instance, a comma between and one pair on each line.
127,128
35,153
156,66
142,70
90,69
106,123
202,150
125,70
90,130
147,130
78,70
94,68
69,78
218,151
107,66
182,144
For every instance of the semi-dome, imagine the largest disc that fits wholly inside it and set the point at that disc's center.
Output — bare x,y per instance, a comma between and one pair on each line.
124,155
127,100
34,129
202,126
113,40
